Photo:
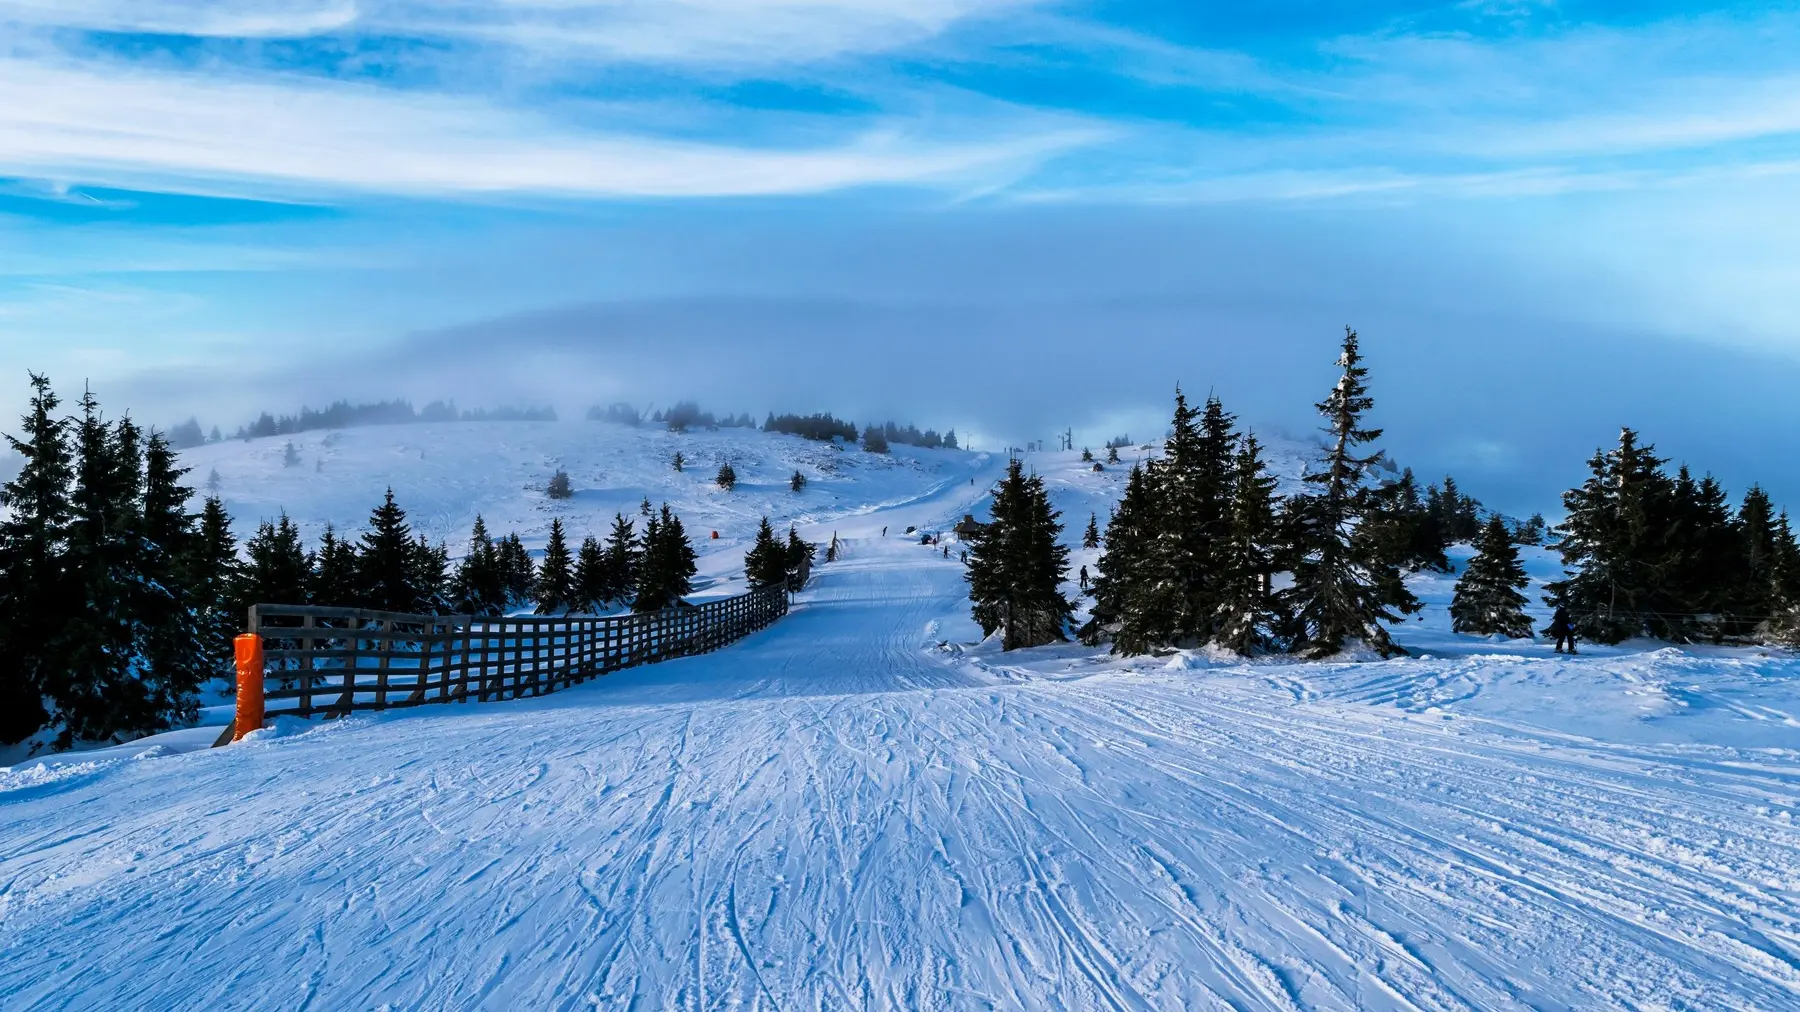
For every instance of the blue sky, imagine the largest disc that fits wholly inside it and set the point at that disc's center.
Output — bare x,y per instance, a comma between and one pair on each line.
939,208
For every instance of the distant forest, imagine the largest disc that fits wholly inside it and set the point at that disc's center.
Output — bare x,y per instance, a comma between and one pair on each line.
821,426
344,415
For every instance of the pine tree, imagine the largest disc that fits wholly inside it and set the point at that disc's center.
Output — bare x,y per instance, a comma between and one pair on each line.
559,487
727,478
556,575
765,564
591,579
213,580
335,571
1127,587
430,568
176,662
518,575
100,695
797,482
1343,586
35,593
214,482
276,571
678,460
1247,621
290,457
666,569
1613,541
1487,600
386,565
1090,538
1087,455
875,440
479,586
800,555
644,507
1756,554
1017,565
623,556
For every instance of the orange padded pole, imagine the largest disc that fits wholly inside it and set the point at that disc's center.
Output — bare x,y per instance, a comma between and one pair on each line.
249,685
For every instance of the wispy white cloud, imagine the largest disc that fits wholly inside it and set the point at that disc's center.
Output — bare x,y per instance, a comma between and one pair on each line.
135,126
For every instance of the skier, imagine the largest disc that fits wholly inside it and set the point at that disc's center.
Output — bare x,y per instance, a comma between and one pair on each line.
946,551
1084,579
884,532
1562,629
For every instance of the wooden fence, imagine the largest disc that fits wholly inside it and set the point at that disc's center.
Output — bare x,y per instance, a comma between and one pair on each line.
333,661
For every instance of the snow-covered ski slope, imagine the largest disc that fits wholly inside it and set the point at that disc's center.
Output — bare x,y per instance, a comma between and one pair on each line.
858,809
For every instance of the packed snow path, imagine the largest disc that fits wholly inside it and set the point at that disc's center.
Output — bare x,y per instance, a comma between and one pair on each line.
835,814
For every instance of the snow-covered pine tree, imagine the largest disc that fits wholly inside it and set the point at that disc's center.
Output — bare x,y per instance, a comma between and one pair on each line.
1112,454
290,457
765,564
1344,588
560,486
1087,455
1090,538
800,555
386,569
556,574
1245,557
727,477
797,482
679,460
1017,564
34,588
1487,601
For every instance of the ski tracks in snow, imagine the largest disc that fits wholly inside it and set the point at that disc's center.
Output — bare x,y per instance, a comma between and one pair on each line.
827,817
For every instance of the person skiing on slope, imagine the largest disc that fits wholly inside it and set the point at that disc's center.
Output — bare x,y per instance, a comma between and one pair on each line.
1561,628
1084,578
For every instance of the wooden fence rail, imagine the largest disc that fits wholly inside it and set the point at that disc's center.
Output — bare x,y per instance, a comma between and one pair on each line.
334,661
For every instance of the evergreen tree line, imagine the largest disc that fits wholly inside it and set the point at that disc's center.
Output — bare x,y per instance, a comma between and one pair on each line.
344,415
118,600
821,427
1200,541
1649,553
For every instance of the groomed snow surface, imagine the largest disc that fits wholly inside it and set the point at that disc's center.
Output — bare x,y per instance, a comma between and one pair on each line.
861,808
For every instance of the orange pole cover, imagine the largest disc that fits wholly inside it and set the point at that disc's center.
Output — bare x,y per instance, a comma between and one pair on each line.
249,685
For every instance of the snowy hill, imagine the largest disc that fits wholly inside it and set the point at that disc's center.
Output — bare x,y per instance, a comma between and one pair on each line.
861,808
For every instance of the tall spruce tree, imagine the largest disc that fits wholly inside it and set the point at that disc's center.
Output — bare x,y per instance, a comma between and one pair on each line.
1017,564
518,574
1756,555
1487,600
387,564
335,571
623,554
213,580
1090,538
276,571
1124,583
727,477
765,564
800,555
556,575
479,587
590,575
1247,620
431,576
666,569
1613,542
1344,586
177,663
35,592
